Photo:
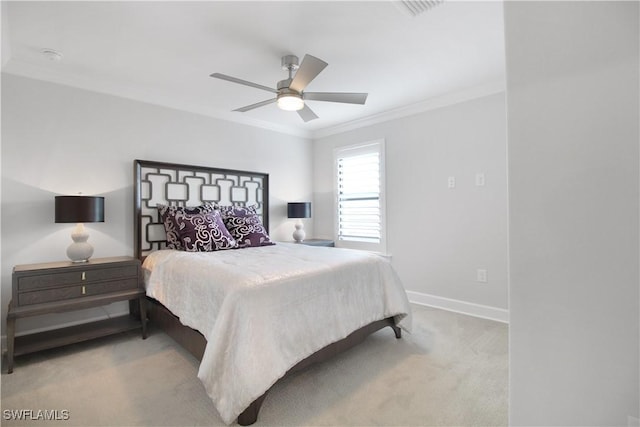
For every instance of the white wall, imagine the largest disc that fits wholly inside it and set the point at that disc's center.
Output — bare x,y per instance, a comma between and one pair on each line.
61,140
572,97
438,237
5,49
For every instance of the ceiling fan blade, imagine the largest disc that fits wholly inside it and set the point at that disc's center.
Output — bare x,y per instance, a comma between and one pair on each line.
256,105
345,97
242,82
309,69
307,114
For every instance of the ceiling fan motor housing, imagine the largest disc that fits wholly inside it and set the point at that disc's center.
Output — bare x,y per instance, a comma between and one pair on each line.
284,84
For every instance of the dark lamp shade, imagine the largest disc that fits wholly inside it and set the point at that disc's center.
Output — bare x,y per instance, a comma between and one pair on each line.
79,209
299,210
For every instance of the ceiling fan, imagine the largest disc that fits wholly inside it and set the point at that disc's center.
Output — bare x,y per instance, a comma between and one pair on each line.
290,95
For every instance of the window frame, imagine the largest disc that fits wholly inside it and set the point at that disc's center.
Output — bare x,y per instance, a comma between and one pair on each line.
356,149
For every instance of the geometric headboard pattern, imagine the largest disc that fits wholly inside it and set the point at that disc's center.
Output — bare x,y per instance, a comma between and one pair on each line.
184,185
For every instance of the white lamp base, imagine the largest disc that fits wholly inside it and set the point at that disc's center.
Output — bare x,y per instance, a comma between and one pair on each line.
79,250
299,234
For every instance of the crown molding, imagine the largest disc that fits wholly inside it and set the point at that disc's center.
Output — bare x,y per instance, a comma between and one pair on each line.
26,69
434,103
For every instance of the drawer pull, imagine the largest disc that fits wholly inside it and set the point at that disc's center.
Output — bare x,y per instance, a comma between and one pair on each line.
84,291
84,276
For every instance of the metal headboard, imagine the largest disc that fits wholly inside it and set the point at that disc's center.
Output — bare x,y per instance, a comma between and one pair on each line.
185,185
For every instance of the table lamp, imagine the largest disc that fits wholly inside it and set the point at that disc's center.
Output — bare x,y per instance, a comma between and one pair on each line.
79,209
299,210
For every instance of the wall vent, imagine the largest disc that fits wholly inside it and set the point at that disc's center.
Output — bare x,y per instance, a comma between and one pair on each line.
416,7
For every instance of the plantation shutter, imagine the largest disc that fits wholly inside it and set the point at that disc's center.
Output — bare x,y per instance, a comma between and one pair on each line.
359,190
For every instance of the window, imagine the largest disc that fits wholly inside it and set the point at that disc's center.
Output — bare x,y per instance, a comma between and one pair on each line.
360,207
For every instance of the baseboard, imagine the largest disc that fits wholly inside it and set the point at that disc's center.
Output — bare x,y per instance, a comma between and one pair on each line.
458,306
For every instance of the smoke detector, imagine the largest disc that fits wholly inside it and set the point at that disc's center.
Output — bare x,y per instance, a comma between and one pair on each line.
51,55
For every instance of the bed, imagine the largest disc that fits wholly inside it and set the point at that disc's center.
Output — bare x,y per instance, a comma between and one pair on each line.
259,313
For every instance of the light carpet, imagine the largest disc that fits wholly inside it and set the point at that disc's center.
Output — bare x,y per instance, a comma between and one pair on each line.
451,371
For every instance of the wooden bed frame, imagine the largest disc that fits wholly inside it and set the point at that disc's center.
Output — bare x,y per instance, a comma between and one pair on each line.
183,185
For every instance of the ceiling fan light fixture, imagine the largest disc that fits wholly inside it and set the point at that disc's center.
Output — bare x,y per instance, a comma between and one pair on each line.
290,102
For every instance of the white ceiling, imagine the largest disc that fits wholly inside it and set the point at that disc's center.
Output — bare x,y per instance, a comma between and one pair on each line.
163,52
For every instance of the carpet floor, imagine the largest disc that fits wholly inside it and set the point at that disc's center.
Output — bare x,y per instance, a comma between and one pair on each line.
452,370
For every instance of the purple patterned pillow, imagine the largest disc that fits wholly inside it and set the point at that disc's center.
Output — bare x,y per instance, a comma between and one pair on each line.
244,225
235,211
168,216
203,232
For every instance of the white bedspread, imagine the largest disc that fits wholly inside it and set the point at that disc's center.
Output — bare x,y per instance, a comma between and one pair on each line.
262,310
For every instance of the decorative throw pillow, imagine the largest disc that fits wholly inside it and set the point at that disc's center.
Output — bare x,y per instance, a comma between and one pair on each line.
235,211
245,226
203,232
168,216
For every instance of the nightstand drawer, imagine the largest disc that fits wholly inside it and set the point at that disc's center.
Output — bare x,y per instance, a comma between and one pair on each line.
76,291
52,280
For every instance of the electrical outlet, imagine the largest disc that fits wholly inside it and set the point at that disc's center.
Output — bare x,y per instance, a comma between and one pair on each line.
481,275
451,182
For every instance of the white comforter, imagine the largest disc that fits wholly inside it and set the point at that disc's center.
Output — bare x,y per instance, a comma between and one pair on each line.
264,309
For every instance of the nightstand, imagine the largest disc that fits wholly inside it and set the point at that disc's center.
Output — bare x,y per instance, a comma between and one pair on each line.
318,242
65,286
